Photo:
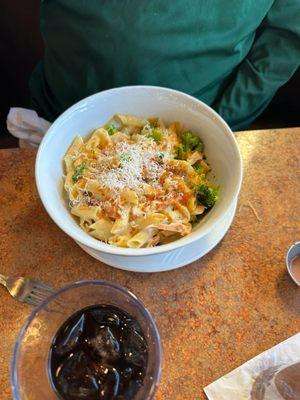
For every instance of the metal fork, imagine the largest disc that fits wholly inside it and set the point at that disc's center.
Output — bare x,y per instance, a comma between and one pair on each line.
26,290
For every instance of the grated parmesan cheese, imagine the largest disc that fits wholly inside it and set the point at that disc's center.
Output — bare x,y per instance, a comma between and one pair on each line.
138,166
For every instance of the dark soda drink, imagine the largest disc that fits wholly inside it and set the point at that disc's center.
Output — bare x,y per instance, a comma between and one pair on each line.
100,352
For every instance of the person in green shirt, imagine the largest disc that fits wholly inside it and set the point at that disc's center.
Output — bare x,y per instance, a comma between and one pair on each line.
233,55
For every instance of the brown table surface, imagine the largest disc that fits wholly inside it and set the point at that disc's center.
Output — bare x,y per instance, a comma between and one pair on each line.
214,314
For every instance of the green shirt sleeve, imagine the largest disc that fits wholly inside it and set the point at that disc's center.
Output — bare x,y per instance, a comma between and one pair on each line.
272,60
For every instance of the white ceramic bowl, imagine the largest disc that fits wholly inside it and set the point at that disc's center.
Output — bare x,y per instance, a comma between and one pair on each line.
146,101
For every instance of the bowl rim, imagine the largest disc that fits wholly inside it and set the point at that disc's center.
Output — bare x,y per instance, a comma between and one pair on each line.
108,248
114,286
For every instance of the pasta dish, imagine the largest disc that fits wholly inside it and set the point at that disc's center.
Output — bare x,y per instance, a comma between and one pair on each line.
138,183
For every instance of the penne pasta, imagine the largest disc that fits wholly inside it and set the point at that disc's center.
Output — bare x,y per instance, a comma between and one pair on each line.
85,212
181,166
119,240
141,238
136,182
119,137
73,150
131,120
194,157
101,229
75,146
120,226
150,220
130,197
93,141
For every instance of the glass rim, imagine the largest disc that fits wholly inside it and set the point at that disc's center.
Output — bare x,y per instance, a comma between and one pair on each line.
142,308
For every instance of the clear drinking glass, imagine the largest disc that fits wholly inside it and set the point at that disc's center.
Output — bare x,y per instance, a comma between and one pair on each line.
30,365
279,382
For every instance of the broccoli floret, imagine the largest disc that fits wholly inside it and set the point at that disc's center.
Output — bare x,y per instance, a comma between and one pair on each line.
192,142
111,129
156,134
207,194
181,152
78,172
198,168
200,147
189,140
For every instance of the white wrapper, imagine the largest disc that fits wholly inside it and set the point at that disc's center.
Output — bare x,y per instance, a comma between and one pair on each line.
27,126
256,379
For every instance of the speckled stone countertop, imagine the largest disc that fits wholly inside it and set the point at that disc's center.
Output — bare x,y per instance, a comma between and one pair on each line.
214,314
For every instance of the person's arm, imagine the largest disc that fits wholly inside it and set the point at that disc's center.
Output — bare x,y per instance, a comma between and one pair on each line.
272,60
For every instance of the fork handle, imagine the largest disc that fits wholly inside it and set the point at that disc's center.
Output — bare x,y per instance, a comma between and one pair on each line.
3,280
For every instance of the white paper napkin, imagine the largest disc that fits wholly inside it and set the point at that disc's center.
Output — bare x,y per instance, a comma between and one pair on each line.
27,126
238,384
